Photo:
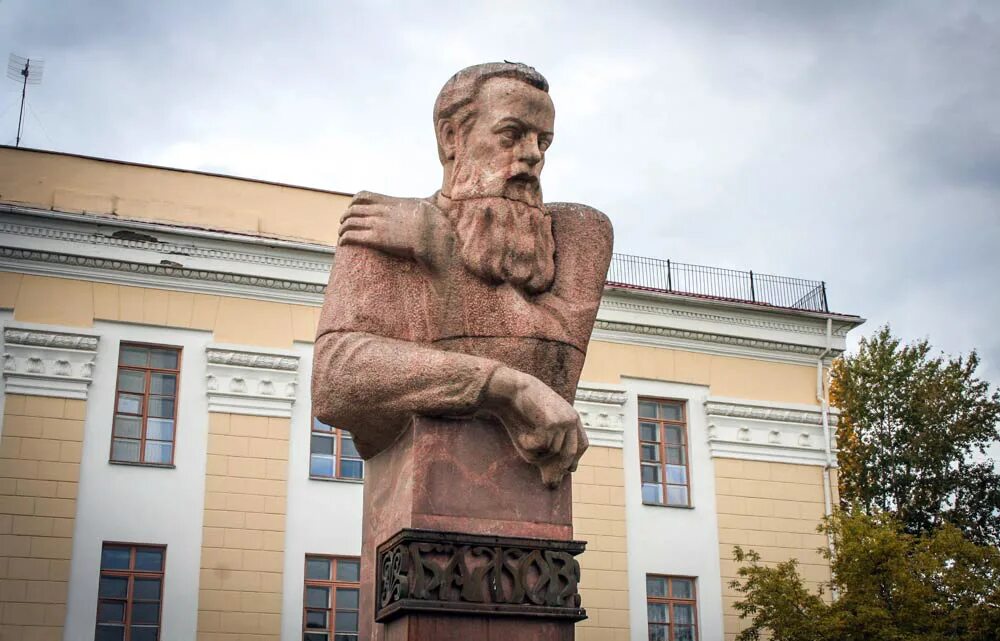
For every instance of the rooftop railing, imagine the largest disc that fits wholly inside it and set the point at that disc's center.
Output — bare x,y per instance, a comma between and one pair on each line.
653,274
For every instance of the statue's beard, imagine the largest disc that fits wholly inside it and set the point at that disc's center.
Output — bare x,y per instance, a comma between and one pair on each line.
505,241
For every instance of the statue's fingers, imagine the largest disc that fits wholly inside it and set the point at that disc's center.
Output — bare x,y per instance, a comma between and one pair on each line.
581,445
362,211
367,198
355,224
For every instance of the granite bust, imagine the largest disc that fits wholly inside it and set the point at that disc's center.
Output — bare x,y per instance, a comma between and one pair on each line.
477,302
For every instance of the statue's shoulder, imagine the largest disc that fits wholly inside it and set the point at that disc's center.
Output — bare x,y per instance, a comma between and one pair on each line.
581,223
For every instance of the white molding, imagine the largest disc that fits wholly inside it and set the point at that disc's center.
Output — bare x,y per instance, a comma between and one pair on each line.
602,412
240,380
42,361
767,432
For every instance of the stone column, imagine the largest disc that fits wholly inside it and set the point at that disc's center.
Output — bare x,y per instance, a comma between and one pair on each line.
461,541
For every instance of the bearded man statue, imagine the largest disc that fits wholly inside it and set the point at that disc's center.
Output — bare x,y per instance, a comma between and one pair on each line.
478,301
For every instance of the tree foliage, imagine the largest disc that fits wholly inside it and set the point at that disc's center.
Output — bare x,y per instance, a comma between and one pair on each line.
910,427
891,586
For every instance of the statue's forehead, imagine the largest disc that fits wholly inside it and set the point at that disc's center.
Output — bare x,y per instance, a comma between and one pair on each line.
509,97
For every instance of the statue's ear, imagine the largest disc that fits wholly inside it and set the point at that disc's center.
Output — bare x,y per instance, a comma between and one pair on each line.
446,135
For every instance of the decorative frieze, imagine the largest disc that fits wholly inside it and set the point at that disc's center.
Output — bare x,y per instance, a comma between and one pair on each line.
241,381
422,570
43,362
602,413
762,432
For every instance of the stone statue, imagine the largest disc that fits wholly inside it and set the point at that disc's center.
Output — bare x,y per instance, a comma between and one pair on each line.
479,300
450,316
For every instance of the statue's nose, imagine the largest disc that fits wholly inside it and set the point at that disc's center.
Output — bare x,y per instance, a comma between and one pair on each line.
528,151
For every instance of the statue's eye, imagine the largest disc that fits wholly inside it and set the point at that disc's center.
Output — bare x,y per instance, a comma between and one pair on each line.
509,136
544,142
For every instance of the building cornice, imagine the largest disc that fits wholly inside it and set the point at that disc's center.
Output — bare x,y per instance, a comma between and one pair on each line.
601,409
42,361
239,380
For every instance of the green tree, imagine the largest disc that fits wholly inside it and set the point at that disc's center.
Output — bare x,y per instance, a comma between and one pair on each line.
891,586
910,428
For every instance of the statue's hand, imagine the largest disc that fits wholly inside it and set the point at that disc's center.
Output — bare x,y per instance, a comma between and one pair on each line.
406,227
545,429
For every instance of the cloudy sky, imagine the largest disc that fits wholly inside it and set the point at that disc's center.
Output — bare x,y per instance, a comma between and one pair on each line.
853,142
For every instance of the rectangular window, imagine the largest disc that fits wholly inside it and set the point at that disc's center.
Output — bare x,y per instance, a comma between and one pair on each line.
671,608
130,592
145,404
332,454
330,603
663,452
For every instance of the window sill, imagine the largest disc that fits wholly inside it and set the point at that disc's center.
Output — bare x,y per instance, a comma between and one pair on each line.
336,480
168,466
678,507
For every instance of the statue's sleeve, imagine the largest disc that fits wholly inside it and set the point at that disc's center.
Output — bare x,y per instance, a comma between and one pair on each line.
372,368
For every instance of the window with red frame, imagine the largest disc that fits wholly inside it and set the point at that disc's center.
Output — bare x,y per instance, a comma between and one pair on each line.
663,452
671,608
332,454
330,603
145,422
130,592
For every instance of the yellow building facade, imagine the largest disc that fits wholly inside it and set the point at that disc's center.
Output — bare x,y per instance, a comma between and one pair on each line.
157,433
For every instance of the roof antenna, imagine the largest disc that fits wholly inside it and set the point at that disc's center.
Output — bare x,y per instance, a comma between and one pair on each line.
27,72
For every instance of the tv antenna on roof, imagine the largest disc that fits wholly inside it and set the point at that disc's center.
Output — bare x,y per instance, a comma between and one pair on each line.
27,72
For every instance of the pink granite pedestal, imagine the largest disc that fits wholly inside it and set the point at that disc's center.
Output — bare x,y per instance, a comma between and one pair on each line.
452,478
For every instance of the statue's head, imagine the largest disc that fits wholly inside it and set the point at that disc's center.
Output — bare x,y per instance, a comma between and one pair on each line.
493,123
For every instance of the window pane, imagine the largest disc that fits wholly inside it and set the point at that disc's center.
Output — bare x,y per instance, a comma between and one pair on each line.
161,406
128,426
657,613
673,434
163,358
114,558
671,411
652,493
111,612
647,409
159,452
124,450
113,586
149,559
347,447
649,432
675,455
317,597
320,426
110,633
316,637
348,570
345,637
146,589
144,633
683,614
347,598
682,588
131,381
165,384
650,453
160,429
129,404
351,469
651,474
677,495
316,620
321,466
145,612
346,622
658,633
130,355
677,474
323,445
683,633
318,569
656,586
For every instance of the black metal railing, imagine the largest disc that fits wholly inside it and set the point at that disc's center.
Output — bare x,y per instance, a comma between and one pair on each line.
653,274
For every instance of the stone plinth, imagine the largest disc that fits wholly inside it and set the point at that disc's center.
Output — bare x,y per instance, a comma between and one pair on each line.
491,544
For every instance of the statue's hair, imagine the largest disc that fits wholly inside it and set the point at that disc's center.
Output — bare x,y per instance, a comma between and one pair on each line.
457,98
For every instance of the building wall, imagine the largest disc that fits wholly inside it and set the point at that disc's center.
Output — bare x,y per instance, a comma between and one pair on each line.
40,452
79,184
